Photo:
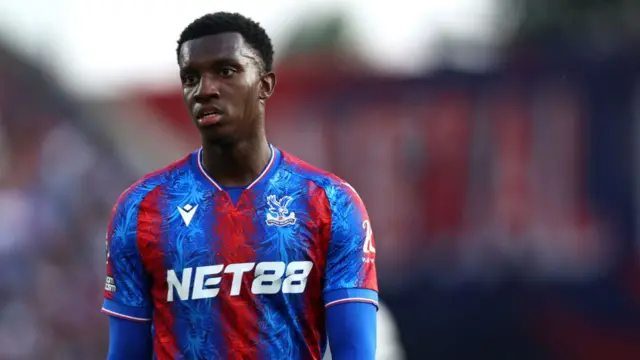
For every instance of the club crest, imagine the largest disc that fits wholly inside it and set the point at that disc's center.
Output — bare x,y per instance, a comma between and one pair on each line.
279,214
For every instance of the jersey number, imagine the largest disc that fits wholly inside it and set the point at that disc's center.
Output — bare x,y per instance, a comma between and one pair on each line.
368,247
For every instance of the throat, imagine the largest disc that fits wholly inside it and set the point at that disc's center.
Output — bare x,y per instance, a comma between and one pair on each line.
236,167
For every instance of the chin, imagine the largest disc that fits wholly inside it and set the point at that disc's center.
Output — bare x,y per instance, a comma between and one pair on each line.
217,134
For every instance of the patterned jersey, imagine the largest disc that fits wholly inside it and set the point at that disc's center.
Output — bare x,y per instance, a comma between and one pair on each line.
245,278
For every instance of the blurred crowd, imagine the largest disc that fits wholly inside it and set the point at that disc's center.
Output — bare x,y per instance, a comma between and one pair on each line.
57,186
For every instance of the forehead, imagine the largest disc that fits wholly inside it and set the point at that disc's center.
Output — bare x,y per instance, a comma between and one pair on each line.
214,47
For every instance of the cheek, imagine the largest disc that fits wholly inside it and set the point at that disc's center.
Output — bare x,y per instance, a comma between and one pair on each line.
251,76
247,94
251,82
253,91
186,96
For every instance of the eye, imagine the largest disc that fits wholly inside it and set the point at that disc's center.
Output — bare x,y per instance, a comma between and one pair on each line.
227,72
189,79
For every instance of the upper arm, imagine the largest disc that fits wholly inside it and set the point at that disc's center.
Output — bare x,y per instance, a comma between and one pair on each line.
129,339
127,292
350,274
352,331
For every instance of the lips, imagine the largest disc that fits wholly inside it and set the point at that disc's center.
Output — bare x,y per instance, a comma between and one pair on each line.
208,111
209,116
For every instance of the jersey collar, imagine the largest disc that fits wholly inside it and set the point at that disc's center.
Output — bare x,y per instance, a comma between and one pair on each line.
266,172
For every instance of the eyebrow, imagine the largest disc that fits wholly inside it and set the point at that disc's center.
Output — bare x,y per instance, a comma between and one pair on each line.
215,61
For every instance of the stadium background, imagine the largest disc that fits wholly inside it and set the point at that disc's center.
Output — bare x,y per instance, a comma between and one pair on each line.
495,144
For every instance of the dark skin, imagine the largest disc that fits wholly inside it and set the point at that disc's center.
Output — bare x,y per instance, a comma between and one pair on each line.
224,73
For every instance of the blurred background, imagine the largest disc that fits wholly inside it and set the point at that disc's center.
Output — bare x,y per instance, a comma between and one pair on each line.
495,143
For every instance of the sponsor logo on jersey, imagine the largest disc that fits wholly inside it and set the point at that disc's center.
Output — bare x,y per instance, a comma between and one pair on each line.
269,277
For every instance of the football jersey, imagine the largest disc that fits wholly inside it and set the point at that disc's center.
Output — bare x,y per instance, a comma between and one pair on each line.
238,277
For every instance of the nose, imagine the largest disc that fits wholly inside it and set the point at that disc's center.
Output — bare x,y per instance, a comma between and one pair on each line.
207,89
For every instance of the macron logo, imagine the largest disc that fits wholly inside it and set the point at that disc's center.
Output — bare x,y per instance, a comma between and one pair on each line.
187,213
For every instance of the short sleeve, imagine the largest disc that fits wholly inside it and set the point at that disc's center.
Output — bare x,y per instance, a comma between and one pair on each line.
350,274
126,291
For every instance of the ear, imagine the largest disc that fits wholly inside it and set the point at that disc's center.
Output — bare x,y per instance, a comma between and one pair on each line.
267,85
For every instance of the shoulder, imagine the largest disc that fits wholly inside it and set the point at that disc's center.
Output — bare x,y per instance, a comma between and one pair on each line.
137,192
335,189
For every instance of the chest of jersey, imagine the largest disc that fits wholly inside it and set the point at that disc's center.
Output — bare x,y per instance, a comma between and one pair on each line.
263,244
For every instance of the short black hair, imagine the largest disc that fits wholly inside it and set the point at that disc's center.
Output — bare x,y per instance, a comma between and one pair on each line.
221,22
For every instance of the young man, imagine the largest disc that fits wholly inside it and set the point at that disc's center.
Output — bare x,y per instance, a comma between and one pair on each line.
239,250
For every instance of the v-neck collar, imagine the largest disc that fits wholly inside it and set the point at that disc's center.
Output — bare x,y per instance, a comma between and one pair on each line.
268,170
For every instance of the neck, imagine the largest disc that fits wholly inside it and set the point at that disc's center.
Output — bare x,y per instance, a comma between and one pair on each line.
236,164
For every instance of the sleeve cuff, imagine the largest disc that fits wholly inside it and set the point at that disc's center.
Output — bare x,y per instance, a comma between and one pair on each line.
132,313
342,296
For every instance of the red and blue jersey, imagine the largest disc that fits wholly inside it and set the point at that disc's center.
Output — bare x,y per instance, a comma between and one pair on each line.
238,273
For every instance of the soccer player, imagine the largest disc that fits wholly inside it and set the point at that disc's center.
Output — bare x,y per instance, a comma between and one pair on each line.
239,250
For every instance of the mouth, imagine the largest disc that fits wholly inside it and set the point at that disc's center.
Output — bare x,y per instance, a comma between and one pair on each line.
209,117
